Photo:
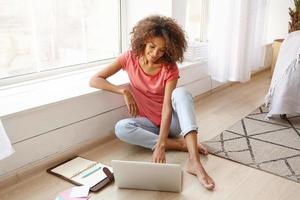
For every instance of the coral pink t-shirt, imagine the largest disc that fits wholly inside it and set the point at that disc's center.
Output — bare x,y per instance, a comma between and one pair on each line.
148,90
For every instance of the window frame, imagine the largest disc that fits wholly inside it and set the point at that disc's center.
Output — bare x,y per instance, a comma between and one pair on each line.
204,9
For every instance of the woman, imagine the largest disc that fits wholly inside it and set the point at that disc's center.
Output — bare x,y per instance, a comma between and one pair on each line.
162,115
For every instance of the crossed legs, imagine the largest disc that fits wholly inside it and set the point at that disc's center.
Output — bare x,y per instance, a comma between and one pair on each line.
141,131
132,132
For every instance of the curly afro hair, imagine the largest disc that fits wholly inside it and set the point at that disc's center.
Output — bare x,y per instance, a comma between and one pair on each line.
159,26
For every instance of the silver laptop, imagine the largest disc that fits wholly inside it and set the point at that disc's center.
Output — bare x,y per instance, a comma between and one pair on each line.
147,175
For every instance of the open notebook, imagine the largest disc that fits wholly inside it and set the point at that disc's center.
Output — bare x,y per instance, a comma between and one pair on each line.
81,171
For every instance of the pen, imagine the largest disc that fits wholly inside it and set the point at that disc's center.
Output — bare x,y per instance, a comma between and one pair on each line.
91,172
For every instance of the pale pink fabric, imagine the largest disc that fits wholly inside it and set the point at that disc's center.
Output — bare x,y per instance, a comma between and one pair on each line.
148,90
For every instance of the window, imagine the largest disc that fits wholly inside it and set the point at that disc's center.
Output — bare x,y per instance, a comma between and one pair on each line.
196,28
38,36
197,19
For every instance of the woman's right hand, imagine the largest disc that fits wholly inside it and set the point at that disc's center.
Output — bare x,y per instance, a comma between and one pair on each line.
130,103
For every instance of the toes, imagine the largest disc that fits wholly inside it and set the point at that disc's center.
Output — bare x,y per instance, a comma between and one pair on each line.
209,185
205,152
202,149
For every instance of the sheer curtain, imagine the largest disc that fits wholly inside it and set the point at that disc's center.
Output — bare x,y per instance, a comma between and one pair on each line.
236,33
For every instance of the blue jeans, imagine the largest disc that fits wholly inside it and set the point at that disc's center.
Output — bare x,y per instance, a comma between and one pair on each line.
141,131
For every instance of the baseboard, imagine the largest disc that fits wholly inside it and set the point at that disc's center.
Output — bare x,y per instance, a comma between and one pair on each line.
254,73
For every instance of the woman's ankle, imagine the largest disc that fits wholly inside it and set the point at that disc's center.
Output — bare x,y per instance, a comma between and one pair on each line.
194,159
176,144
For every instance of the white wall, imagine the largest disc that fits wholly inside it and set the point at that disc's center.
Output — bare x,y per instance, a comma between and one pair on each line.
277,19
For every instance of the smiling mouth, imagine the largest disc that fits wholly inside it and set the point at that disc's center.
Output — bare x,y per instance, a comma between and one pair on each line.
153,58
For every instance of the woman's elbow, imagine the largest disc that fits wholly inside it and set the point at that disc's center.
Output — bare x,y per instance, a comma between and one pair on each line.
92,82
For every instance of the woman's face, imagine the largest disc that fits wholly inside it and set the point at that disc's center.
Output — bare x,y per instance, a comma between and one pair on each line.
155,49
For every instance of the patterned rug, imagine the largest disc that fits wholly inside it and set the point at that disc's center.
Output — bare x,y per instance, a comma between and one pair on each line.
270,145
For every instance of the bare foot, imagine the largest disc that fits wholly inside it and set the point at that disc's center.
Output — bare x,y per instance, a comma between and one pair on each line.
197,169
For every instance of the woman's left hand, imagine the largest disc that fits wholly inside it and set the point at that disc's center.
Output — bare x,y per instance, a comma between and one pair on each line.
159,155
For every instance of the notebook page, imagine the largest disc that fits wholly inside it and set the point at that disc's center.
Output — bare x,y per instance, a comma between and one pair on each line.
92,176
74,167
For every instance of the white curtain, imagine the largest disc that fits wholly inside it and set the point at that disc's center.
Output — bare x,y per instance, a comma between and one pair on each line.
236,35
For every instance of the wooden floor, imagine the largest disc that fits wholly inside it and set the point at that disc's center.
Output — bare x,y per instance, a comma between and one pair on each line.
215,111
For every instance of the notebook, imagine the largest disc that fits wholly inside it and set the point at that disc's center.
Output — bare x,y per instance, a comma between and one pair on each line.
147,175
82,171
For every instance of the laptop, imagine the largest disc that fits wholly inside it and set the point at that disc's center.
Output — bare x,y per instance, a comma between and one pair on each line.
147,175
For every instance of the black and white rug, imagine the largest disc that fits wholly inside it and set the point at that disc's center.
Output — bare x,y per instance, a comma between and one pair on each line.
270,145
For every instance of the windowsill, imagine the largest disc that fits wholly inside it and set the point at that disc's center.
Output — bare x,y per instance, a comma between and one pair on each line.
44,92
